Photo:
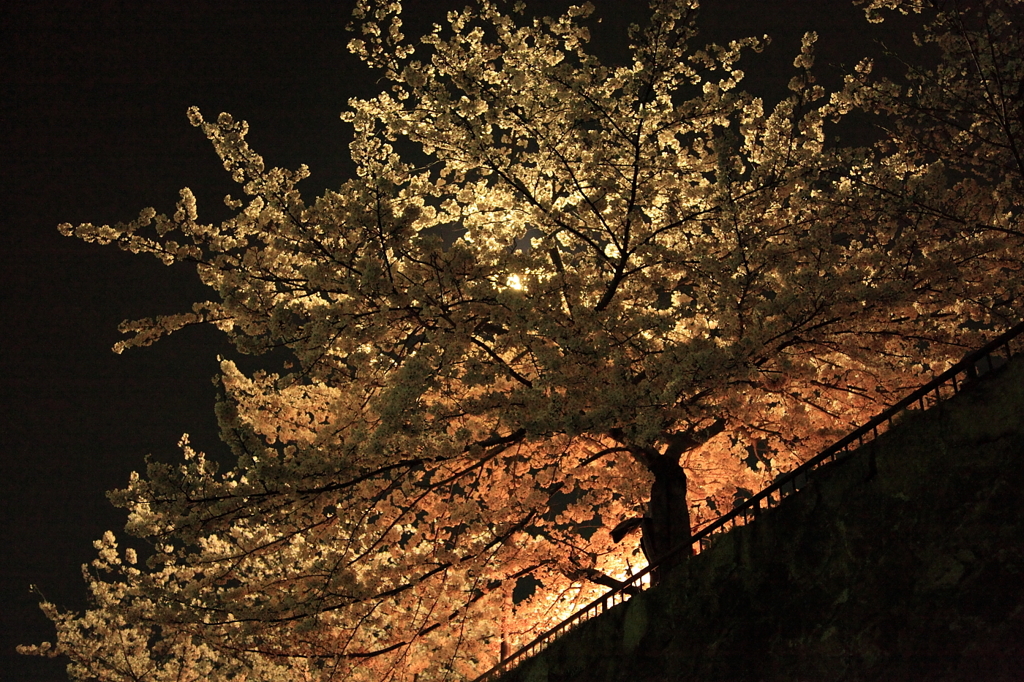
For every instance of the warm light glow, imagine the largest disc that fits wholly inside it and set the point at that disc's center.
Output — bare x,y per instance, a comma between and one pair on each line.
515,282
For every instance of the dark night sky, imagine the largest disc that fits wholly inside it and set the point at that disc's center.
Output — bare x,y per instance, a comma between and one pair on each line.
92,107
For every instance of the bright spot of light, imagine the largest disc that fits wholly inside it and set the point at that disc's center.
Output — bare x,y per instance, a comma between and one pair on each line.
514,282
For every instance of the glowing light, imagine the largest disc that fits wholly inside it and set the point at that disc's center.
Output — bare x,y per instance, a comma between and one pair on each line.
514,282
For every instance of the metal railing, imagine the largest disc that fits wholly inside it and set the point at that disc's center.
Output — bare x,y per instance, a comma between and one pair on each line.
938,389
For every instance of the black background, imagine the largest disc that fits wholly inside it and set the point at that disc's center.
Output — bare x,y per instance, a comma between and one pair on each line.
92,108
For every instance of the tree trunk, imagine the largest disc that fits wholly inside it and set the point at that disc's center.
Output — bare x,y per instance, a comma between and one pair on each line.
667,525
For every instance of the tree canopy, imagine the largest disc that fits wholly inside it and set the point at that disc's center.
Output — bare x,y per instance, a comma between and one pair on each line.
552,285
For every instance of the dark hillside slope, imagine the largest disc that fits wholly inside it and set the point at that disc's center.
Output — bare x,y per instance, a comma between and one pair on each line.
912,569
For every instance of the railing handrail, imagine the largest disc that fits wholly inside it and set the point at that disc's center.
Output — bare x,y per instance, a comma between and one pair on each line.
966,364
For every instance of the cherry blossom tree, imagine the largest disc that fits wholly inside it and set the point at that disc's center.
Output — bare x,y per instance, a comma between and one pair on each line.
557,297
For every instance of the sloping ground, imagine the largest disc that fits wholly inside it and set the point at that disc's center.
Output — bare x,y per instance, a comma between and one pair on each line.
908,568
